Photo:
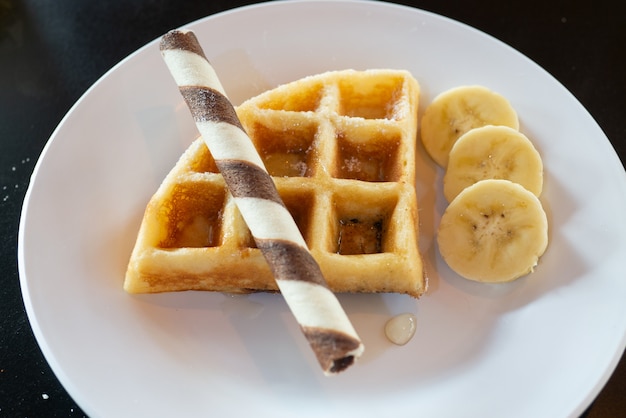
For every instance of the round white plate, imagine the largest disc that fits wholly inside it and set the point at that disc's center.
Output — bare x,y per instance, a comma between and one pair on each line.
541,346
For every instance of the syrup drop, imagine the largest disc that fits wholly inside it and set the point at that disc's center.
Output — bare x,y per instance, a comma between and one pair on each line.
401,328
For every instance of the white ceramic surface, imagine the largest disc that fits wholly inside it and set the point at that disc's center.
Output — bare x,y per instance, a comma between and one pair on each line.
542,346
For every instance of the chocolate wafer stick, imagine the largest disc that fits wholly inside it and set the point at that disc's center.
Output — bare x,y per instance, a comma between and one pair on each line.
298,276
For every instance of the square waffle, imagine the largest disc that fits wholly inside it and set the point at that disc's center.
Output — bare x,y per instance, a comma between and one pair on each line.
340,147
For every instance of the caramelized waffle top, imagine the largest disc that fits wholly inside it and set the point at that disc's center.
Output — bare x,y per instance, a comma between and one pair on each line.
340,147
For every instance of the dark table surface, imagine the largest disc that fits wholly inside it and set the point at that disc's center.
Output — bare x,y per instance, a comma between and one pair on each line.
52,51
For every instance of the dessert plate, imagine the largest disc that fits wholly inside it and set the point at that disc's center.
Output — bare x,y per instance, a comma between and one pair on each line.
541,346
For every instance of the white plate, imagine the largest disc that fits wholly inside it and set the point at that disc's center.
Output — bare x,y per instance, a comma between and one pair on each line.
541,346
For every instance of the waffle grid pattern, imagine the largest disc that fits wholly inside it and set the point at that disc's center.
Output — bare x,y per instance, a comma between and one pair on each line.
341,149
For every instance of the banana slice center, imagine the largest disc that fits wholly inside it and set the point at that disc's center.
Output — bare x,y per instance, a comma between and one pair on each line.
492,228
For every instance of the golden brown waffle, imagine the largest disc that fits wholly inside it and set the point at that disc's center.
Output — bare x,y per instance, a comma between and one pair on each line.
340,147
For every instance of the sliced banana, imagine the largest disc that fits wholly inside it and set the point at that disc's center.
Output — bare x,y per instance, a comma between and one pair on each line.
493,152
456,111
493,231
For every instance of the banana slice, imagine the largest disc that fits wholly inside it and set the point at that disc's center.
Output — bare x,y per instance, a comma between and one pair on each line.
493,152
493,231
456,111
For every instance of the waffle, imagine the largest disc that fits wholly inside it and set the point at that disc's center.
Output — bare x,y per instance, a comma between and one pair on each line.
340,147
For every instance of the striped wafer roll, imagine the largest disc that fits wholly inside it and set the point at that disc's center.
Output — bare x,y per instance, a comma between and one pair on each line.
298,276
